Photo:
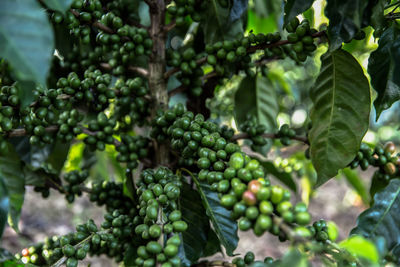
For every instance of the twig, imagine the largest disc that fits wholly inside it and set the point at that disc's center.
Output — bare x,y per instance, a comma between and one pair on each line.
23,132
139,70
177,90
170,26
89,132
251,49
269,135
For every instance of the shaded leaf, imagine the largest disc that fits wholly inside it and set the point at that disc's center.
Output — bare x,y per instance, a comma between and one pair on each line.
195,237
238,9
225,228
383,67
340,113
26,39
12,175
377,184
295,7
345,19
383,216
213,245
285,177
377,18
256,97
217,24
355,181
4,206
58,5
58,155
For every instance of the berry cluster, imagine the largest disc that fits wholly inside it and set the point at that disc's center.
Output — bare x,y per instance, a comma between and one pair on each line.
381,157
74,180
285,134
132,149
254,131
249,260
319,230
179,9
239,179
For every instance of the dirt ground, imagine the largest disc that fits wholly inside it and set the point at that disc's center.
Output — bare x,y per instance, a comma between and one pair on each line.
334,201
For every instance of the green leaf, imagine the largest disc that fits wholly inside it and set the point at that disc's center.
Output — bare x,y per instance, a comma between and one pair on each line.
217,25
377,18
295,7
225,228
58,155
345,18
256,96
213,245
340,115
12,174
4,206
355,181
360,247
195,237
58,5
383,67
382,219
26,39
285,177
292,258
377,184
39,176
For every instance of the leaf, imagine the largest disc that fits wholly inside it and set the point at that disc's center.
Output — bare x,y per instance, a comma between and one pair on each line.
256,96
38,176
26,39
217,24
225,228
383,67
382,219
195,237
377,184
4,206
355,181
294,8
360,247
58,155
292,258
377,18
238,9
213,245
345,18
58,5
285,177
340,115
12,175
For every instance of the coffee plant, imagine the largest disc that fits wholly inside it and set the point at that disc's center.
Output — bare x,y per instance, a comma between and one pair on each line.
150,88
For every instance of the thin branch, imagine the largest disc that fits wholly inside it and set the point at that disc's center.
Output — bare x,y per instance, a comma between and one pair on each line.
209,75
89,132
139,70
177,90
269,135
251,49
23,132
170,26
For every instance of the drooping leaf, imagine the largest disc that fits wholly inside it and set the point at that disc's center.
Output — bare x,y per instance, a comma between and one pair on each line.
4,206
355,181
340,115
195,237
26,39
58,5
217,24
377,18
40,176
295,7
12,175
377,184
58,155
213,245
361,247
285,177
383,67
345,19
382,218
257,97
225,228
